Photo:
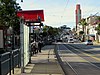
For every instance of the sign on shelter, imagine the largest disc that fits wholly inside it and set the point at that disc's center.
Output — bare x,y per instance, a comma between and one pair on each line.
31,15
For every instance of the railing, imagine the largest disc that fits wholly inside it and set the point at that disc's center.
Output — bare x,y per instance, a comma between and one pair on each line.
8,61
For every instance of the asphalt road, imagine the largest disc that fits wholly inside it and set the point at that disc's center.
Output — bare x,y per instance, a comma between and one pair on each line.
79,59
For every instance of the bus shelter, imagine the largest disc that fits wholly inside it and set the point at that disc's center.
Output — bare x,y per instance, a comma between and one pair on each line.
28,19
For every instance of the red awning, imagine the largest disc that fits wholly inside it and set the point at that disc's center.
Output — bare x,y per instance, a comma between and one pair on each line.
31,15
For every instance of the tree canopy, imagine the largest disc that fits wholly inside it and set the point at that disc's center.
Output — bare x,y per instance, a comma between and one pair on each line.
83,22
48,30
8,9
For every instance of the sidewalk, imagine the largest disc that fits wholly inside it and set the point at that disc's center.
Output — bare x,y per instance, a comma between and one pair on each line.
95,43
43,63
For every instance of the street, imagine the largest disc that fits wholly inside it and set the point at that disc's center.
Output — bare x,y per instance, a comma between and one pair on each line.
79,59
45,37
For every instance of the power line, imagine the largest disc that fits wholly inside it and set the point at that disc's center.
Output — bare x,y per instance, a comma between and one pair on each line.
90,11
66,4
64,10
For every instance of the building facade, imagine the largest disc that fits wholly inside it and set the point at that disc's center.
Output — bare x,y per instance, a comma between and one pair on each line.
90,29
78,14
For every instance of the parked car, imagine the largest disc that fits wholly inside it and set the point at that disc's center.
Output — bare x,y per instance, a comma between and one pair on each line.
70,40
89,42
58,40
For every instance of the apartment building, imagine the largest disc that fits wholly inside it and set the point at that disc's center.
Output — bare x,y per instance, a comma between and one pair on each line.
90,31
90,28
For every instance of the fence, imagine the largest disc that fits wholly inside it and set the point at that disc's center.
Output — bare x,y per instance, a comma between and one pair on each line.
8,61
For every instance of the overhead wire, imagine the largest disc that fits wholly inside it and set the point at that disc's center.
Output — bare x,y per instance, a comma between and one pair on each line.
64,11
92,10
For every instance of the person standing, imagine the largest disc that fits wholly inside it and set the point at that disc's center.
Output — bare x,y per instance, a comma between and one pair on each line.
39,46
34,47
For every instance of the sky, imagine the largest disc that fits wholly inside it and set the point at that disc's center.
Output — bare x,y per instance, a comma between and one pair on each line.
61,12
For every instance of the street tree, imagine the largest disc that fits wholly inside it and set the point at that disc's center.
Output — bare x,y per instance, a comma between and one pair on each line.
84,24
50,31
8,17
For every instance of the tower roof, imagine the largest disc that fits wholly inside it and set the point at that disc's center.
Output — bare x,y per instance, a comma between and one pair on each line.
78,6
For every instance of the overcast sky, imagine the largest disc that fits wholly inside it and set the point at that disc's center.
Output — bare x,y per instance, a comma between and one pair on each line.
61,12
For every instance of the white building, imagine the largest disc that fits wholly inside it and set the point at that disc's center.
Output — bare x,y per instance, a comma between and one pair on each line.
90,29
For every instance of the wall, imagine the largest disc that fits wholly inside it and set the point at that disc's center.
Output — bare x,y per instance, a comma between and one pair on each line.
26,45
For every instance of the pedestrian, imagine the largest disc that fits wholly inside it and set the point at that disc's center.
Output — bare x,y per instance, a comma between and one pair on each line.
34,47
39,46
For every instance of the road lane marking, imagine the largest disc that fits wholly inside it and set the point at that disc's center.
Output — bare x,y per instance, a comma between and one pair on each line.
98,59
